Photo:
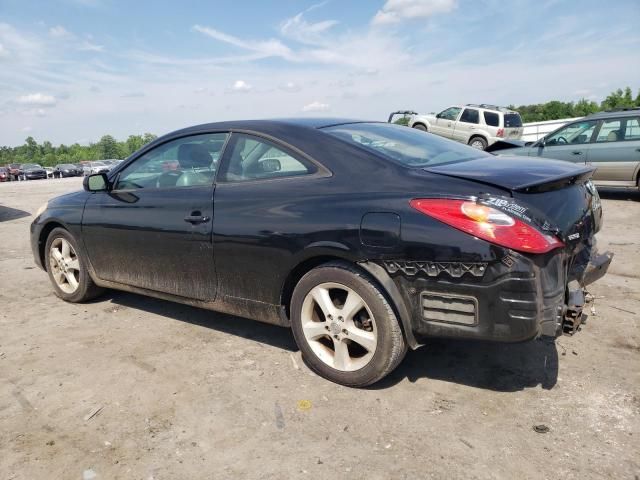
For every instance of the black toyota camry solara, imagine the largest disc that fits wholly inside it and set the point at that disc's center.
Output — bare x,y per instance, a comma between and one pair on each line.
364,238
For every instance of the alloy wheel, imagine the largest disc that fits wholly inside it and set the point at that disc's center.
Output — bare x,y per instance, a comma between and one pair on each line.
65,265
339,327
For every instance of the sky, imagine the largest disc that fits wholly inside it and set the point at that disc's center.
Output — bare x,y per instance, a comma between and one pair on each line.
74,70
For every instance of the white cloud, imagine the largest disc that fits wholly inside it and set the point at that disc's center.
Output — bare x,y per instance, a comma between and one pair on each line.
298,29
37,99
3,51
290,87
87,46
316,107
263,48
395,11
241,86
59,32
26,129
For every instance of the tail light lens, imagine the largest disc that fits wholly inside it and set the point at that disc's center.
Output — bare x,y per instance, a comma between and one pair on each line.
487,223
500,132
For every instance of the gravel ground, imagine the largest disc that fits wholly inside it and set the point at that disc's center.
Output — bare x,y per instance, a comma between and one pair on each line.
178,392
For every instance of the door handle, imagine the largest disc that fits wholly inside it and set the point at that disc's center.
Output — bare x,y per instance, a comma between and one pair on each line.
576,152
195,218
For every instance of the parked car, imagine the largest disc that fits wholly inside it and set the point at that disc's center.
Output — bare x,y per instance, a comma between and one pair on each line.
4,174
476,125
15,171
608,141
95,167
32,171
63,170
365,238
49,171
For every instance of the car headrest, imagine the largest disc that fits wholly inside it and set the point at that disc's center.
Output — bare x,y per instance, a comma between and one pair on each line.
192,155
613,136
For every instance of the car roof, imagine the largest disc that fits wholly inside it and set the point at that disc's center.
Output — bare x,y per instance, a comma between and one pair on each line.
267,125
619,112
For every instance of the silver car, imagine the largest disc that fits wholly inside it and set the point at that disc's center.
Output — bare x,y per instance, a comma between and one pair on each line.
609,141
476,125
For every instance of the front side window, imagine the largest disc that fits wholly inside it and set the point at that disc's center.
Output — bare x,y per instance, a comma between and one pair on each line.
470,115
254,158
185,162
450,113
406,146
574,134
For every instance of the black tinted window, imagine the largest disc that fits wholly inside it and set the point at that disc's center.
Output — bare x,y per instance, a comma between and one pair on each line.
470,116
512,120
491,119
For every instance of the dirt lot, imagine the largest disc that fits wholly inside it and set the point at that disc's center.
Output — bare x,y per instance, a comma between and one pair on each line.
186,393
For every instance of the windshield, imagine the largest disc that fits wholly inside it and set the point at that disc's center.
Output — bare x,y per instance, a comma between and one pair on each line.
407,146
66,165
31,165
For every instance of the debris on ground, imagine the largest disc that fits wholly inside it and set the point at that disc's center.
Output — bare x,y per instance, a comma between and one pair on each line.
304,405
541,428
93,413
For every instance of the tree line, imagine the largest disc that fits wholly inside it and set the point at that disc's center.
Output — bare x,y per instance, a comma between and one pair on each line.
555,109
48,155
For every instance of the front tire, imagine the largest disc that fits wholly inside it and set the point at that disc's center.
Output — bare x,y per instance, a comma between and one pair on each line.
344,326
421,127
67,268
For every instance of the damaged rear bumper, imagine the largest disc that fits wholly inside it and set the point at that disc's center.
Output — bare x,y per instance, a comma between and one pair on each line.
515,299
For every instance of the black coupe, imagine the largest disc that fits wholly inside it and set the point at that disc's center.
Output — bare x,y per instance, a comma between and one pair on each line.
365,238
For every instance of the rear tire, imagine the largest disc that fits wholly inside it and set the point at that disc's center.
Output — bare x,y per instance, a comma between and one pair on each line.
67,268
421,127
344,326
478,142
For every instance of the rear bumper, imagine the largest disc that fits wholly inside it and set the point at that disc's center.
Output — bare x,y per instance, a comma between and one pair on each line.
515,299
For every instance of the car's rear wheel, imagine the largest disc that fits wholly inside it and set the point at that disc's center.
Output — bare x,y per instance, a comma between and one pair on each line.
419,126
67,268
344,326
478,142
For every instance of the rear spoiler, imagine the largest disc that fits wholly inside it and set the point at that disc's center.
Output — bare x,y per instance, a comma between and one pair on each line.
505,144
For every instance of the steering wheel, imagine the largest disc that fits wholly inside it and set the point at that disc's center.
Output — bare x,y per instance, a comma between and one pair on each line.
562,140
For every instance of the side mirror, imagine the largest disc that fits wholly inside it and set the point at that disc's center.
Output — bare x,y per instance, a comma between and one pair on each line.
97,182
542,142
270,165
439,115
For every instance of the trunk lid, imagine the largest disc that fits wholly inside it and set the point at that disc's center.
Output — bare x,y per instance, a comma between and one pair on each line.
554,195
516,173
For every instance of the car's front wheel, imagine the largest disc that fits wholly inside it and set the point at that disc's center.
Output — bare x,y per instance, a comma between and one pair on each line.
67,268
344,326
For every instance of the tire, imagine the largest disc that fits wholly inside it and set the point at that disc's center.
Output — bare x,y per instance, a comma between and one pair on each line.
478,142
421,127
319,334
67,266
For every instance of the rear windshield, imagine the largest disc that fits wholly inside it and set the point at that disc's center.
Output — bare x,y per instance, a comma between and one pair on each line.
404,145
512,120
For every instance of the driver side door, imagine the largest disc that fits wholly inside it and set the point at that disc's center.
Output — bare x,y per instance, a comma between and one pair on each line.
153,228
570,143
444,124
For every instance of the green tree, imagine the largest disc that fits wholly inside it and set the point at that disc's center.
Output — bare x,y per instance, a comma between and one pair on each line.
107,147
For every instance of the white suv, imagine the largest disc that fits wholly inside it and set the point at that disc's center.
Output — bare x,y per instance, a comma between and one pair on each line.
475,125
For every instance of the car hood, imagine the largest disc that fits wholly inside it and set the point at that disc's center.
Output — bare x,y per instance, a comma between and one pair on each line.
513,172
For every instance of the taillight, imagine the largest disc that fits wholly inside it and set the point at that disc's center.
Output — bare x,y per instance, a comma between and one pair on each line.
487,223
500,132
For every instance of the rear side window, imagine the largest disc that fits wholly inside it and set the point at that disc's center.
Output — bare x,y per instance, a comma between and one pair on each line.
610,131
254,158
491,119
470,116
632,131
512,120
